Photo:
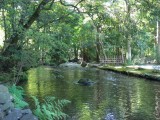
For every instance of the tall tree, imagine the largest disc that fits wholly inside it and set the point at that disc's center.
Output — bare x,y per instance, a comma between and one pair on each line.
96,11
150,10
26,20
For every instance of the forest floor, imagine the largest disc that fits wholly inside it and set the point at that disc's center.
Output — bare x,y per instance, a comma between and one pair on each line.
151,72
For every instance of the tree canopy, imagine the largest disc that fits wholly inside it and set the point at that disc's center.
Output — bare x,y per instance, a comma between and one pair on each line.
54,31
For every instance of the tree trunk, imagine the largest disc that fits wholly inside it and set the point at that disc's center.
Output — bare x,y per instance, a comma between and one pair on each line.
85,56
75,52
158,42
98,48
128,54
103,50
128,33
12,47
17,34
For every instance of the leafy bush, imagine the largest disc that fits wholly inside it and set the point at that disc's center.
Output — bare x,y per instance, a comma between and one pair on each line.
17,93
50,109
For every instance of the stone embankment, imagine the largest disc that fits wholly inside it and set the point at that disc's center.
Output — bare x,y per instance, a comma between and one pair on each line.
7,109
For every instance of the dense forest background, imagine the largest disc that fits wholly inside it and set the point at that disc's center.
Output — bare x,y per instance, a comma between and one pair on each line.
55,31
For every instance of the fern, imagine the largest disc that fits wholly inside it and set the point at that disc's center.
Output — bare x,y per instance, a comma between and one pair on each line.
50,109
17,93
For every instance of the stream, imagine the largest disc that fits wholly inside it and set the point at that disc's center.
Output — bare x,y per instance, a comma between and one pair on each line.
121,96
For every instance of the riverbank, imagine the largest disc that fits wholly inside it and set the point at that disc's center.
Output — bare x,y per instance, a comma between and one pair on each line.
151,72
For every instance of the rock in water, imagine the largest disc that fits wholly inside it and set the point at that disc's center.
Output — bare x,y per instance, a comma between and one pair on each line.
84,64
85,81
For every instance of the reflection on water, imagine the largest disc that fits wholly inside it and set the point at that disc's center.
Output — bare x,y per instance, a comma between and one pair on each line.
127,98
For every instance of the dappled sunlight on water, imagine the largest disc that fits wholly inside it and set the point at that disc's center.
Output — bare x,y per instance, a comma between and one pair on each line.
127,98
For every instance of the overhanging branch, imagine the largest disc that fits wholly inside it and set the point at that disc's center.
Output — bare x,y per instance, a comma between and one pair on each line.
62,17
35,15
55,20
71,5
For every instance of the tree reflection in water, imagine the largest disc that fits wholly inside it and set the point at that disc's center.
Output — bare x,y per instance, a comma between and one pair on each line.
128,98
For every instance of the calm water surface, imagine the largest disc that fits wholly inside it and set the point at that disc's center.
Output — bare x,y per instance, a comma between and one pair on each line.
127,98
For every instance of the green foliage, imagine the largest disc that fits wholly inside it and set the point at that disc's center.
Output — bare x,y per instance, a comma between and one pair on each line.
58,53
58,33
18,75
50,109
128,62
4,77
17,93
23,77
